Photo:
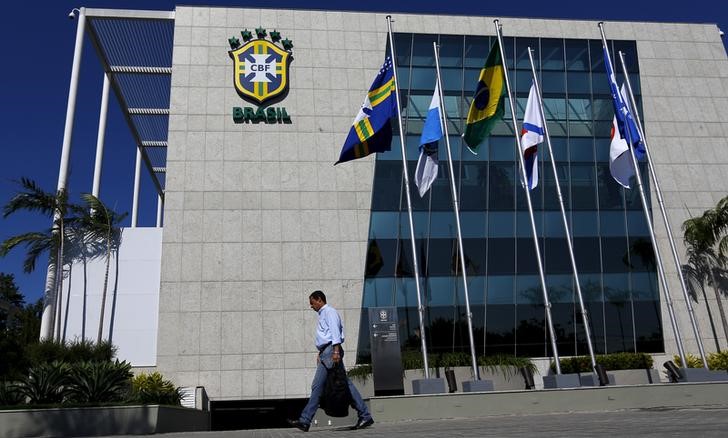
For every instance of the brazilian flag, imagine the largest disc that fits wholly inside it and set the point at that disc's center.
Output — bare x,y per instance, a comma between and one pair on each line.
488,106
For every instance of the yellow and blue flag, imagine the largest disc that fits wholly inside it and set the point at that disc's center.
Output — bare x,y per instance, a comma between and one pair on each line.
372,130
487,107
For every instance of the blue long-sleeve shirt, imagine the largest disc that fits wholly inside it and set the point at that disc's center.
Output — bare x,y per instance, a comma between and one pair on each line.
329,327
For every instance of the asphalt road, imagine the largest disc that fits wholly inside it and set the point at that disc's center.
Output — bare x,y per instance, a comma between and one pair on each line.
702,422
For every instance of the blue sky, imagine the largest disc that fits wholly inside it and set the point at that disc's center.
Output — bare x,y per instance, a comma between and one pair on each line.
37,45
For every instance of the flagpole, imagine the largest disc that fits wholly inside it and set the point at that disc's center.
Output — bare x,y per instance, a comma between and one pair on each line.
519,154
675,256
420,307
645,209
456,209
582,308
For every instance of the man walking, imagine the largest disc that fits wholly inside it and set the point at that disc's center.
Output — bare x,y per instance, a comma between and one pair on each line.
329,337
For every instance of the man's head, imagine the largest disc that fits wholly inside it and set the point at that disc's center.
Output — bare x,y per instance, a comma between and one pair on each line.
317,300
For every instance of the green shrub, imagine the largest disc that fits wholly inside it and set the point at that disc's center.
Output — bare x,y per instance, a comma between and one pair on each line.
10,394
612,362
45,384
154,389
693,361
98,382
508,365
718,360
360,372
72,352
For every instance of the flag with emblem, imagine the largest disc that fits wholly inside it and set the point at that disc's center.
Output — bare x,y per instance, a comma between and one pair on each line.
426,171
372,131
620,161
488,106
531,136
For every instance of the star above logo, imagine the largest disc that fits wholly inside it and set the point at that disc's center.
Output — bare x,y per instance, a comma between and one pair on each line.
260,32
247,35
275,36
287,44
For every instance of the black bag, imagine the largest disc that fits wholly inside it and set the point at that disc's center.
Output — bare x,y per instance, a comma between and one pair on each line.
336,397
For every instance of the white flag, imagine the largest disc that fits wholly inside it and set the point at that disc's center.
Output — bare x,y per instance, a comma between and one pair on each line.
620,162
531,136
426,171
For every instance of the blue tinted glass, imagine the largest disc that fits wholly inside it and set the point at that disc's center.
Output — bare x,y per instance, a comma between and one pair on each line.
629,50
578,82
500,289
583,187
422,52
528,289
612,223
552,54
502,148
585,223
452,80
522,45
553,82
614,254
636,223
577,55
451,51
476,51
501,224
581,149
403,47
501,185
423,80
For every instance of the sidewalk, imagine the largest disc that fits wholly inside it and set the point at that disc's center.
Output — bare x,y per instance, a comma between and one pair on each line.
703,422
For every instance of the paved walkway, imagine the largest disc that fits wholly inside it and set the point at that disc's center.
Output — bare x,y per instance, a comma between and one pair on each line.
704,422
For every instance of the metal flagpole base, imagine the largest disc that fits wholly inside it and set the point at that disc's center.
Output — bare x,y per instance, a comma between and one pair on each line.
561,381
428,386
478,386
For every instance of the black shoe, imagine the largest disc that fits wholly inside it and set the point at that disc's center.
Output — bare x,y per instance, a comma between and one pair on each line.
302,426
361,424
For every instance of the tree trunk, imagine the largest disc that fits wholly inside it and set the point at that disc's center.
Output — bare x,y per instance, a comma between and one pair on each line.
103,293
68,302
720,307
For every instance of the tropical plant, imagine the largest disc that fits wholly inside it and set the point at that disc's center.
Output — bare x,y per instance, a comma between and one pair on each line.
45,384
98,382
508,365
611,362
9,394
360,372
692,360
718,360
53,205
74,352
706,239
101,224
154,389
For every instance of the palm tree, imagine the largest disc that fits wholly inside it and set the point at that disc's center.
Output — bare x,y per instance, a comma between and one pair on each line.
702,236
101,225
54,205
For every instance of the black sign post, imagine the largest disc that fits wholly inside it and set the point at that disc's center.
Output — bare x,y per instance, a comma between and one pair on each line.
386,353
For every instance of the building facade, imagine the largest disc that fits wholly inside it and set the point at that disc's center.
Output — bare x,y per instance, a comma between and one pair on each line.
257,216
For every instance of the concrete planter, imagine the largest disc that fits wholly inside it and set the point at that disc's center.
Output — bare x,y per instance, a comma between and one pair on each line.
635,377
114,420
511,381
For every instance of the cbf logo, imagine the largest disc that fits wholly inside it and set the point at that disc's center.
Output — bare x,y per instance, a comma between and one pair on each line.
260,70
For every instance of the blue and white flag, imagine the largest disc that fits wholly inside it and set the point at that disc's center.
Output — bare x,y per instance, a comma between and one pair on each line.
620,162
426,171
531,136
625,122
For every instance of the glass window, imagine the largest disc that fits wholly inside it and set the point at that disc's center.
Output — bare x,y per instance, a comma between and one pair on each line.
577,55
556,256
618,313
422,53
423,80
476,51
614,254
586,254
612,223
451,51
581,149
501,185
583,187
526,255
552,82
578,82
552,54
501,256
501,224
522,60
585,223
452,80
403,47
